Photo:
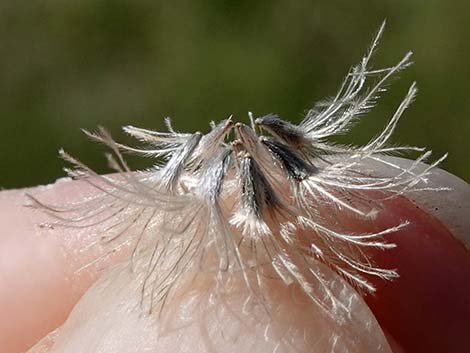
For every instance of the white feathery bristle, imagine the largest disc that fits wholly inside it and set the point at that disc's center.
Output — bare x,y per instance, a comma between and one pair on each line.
277,199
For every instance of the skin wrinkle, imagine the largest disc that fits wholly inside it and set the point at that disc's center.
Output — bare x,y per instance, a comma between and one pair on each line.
69,192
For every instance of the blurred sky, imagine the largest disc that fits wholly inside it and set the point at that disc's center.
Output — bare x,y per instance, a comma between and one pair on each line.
66,65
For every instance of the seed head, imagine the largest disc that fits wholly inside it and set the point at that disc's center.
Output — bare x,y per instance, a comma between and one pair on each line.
257,199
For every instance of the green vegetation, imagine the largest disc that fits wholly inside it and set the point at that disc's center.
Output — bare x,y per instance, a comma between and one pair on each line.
66,65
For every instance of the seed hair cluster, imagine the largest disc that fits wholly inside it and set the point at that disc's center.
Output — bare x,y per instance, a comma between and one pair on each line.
242,197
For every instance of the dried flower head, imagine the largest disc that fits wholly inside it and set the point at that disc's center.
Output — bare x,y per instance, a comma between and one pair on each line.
257,201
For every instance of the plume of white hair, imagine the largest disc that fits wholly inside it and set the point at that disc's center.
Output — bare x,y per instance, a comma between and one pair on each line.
234,207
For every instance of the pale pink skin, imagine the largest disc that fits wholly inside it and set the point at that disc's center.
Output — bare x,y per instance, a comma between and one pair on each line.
425,310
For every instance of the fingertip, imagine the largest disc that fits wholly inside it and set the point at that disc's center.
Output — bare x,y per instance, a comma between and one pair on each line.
38,265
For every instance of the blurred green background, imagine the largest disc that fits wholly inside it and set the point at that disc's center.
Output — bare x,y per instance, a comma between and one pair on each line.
66,65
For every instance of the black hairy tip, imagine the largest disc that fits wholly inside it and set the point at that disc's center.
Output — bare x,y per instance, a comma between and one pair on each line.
283,130
257,194
296,167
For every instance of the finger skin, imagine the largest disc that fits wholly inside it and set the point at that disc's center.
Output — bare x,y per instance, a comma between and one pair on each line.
427,309
301,324
35,287
39,284
451,206
420,311
198,322
57,270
